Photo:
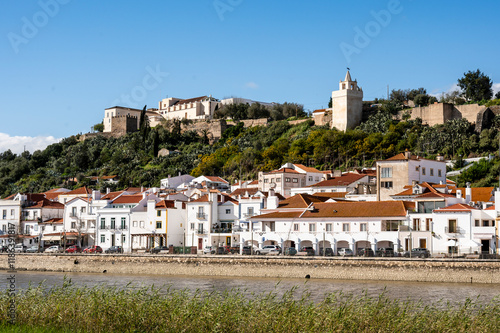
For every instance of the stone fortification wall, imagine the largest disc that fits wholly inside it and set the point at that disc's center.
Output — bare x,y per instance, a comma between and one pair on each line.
215,128
430,270
254,122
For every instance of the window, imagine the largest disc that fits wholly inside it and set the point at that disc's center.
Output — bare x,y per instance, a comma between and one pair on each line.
73,225
103,239
141,224
423,171
416,224
4,228
287,180
192,226
295,180
113,225
250,211
362,227
428,223
317,179
4,214
12,212
312,227
486,223
200,228
266,180
82,225
272,226
158,213
328,227
310,178
82,209
278,180
386,173
122,223
228,211
345,227
452,226
135,224
158,224
431,172
439,172
27,231
386,184
36,228
477,223
73,211
295,227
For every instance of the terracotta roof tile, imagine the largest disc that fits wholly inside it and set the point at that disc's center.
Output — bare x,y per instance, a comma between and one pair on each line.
484,194
165,204
217,179
343,180
79,191
301,201
45,203
307,169
345,210
125,199
455,208
284,170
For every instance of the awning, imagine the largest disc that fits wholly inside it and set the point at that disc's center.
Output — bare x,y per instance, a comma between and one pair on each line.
451,242
469,243
51,238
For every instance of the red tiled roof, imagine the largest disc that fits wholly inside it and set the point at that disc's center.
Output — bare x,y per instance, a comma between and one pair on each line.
217,179
319,110
343,180
402,157
125,199
111,195
345,210
243,192
455,208
45,203
254,182
331,194
203,198
165,204
284,170
78,191
307,169
484,194
301,201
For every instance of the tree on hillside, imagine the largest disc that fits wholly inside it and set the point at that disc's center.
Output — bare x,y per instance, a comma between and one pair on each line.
330,103
476,86
414,92
144,124
423,100
399,96
497,95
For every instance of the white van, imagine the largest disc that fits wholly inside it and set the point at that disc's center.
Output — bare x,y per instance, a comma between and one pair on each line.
19,248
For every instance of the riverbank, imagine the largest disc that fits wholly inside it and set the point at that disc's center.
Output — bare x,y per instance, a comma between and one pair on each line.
376,269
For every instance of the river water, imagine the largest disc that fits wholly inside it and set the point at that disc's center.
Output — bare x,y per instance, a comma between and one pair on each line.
315,289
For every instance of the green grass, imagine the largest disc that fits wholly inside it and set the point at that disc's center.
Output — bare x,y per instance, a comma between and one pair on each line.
107,309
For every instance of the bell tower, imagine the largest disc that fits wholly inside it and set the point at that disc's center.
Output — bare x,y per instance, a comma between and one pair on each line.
347,104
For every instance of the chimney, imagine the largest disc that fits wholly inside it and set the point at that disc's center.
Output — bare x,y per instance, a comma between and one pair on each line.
107,190
440,158
459,194
96,195
407,154
468,193
272,200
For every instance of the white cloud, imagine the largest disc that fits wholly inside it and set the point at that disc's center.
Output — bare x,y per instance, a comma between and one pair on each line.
17,143
496,88
252,85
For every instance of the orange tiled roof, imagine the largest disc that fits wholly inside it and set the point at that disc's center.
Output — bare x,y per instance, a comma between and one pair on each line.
331,194
484,194
203,198
54,221
125,199
284,170
243,191
307,169
301,201
165,204
217,179
81,190
455,208
111,195
345,210
343,180
45,203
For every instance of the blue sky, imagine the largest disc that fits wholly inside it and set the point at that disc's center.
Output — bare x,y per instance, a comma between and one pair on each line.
65,61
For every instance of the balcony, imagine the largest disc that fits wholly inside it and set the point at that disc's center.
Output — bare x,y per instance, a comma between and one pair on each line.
454,230
201,231
249,214
201,216
123,227
222,230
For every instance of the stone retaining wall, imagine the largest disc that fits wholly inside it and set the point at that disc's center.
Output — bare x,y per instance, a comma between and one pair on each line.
428,270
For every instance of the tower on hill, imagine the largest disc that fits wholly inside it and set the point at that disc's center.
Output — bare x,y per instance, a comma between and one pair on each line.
347,104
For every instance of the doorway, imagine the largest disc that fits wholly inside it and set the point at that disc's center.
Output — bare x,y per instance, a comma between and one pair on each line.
200,243
485,246
422,242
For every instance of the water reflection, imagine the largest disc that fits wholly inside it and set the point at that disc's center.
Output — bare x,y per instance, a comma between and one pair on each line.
316,289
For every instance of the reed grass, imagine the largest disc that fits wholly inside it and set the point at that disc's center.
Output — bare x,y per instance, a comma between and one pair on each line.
69,308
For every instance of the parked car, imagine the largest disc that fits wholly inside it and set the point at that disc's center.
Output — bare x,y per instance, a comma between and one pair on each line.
385,252
247,249
32,249
418,253
208,250
366,252
221,250
114,249
309,250
19,248
269,249
73,249
158,249
4,248
54,249
328,251
290,251
92,249
345,252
